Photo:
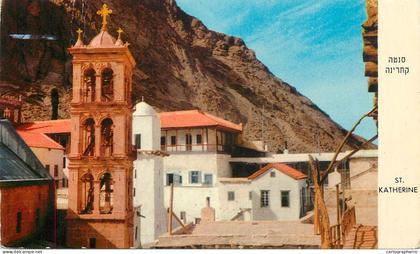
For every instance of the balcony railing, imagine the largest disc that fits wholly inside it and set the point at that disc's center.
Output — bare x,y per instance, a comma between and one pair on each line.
198,148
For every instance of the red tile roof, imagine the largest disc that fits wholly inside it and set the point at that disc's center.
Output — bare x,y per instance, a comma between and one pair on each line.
168,120
293,173
195,118
47,127
33,139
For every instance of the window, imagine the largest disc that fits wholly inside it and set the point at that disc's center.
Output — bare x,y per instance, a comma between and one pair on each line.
208,179
107,137
162,141
199,139
172,178
88,137
285,198
231,195
135,173
134,192
188,142
250,195
183,216
195,176
169,179
92,243
87,193
106,194
265,199
173,140
55,170
47,167
272,174
136,234
64,162
37,217
107,90
18,222
138,141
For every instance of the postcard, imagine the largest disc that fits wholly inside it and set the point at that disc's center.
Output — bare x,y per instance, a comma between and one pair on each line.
163,124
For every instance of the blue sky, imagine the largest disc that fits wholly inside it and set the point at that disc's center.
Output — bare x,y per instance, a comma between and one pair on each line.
314,45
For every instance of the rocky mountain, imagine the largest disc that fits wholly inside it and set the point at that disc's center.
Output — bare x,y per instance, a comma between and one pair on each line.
180,65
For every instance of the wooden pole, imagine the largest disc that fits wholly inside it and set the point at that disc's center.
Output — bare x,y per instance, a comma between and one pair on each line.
178,220
321,207
316,216
171,202
337,190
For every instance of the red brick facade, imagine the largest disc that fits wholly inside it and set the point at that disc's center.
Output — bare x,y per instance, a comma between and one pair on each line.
26,200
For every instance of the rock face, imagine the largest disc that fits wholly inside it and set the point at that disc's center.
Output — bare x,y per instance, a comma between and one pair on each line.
370,48
180,65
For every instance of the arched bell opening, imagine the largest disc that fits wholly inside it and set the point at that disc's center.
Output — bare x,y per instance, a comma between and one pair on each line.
89,85
107,89
87,194
106,194
107,137
88,137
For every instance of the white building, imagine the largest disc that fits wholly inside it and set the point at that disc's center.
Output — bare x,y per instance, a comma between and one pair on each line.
199,145
150,218
274,192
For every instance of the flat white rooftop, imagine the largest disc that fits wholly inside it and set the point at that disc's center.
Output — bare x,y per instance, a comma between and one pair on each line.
300,157
251,234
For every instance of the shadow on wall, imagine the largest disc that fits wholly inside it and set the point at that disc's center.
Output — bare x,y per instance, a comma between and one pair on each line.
104,234
261,213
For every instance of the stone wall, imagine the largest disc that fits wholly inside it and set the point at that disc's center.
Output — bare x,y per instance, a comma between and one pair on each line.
370,48
24,199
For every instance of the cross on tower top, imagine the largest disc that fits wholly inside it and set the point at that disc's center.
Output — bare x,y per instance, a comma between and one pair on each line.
104,12
79,33
119,31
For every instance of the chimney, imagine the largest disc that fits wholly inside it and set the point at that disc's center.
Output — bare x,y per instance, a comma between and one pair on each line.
285,151
208,214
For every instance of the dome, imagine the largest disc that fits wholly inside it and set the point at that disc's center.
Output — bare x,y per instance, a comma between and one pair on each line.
144,109
103,40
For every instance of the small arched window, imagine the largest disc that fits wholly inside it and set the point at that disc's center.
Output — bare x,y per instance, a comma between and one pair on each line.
106,194
87,191
107,137
88,137
107,90
89,80
54,104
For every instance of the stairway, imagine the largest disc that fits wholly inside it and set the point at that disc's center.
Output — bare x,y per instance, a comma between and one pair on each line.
362,237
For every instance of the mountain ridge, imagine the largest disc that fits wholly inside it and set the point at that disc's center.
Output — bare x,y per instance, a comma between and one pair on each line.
181,65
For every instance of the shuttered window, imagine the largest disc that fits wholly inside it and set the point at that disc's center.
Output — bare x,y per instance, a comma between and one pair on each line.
231,195
195,177
285,198
138,141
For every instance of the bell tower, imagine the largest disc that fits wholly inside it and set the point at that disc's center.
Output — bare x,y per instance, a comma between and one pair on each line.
100,207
